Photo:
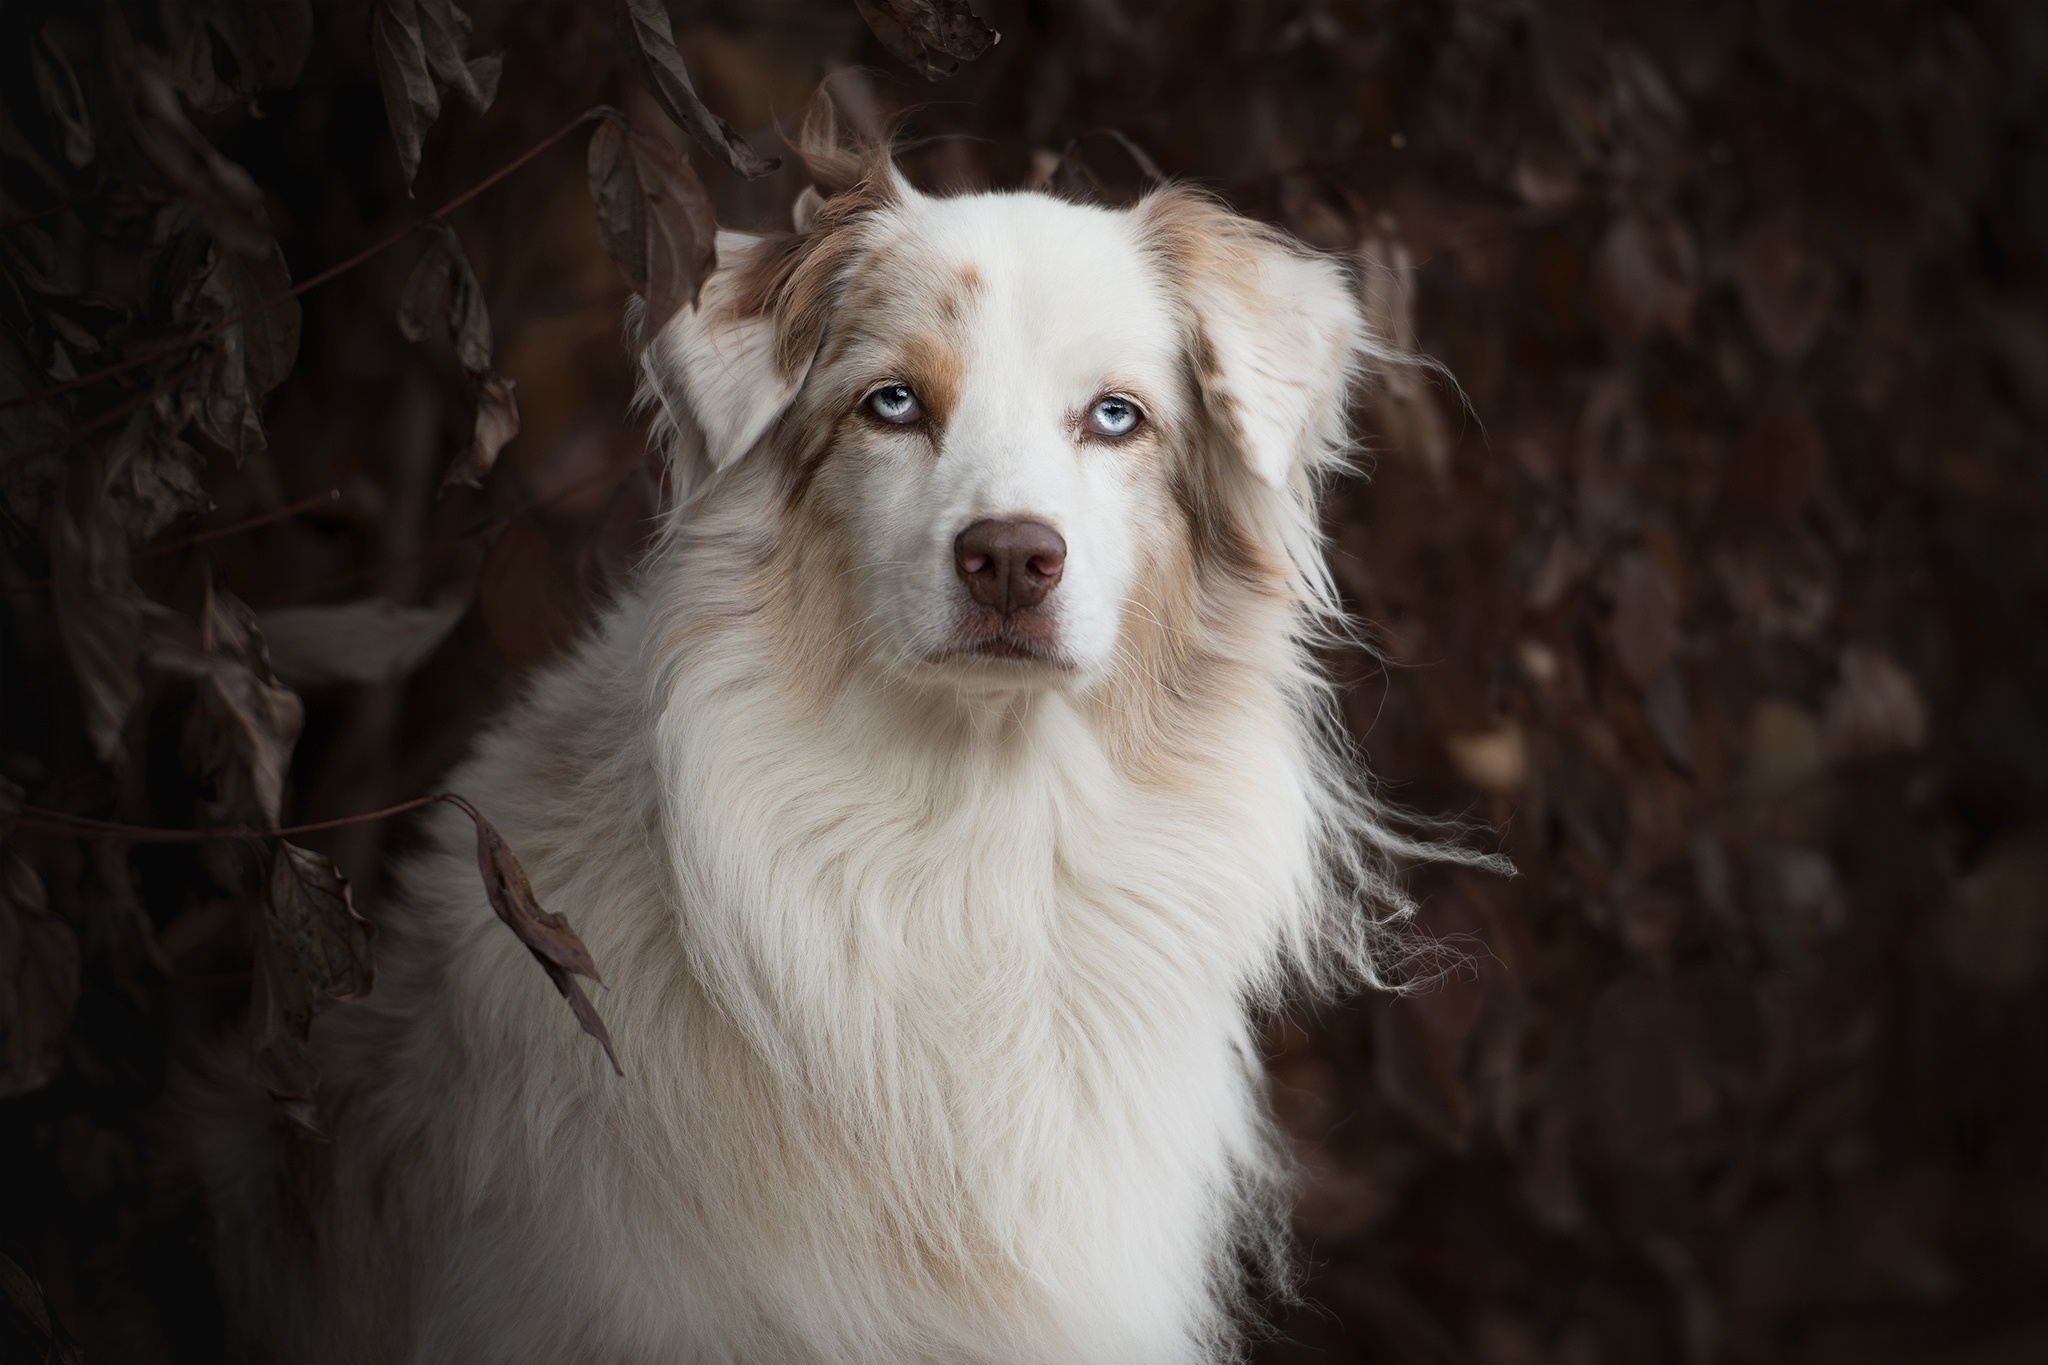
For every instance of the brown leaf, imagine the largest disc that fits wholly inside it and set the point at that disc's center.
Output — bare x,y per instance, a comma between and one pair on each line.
38,974
252,357
443,286
313,953
411,99
444,33
547,936
420,47
654,40
655,218
240,735
497,421
98,607
933,36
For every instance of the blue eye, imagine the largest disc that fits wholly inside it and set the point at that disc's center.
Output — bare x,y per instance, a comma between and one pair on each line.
895,404
1113,416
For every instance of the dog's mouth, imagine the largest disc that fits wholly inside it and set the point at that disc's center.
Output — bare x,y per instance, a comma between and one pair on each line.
1004,640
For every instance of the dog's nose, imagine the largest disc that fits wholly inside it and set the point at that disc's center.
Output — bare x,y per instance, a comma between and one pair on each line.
1009,565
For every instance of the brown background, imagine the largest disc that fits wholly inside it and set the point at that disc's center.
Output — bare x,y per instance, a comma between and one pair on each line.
1719,594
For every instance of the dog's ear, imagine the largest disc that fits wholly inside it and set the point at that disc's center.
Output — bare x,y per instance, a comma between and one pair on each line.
736,360
1278,333
721,360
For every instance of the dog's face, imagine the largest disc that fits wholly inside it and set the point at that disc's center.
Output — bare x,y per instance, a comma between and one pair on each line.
997,406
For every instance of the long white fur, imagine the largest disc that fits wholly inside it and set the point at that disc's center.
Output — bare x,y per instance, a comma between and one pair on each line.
933,1017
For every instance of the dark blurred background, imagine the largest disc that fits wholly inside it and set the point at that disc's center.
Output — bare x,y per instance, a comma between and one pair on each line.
1718,592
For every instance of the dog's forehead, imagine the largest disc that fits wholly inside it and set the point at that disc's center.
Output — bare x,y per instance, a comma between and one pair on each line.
1033,272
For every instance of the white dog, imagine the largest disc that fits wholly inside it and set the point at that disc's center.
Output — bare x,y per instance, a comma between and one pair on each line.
955,784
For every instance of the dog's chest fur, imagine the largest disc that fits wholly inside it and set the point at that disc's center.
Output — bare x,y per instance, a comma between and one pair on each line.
933,1027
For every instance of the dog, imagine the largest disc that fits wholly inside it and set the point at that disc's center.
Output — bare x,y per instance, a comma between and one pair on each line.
943,804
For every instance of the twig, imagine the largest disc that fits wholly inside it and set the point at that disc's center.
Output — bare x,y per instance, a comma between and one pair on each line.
235,528
45,821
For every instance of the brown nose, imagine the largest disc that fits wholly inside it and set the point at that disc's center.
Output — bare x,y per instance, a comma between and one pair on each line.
1009,565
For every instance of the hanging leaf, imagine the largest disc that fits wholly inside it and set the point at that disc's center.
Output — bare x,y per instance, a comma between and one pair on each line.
252,357
655,218
547,936
313,953
443,287
934,36
654,40
420,47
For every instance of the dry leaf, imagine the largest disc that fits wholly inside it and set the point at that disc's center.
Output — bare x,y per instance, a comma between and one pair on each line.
420,47
252,357
655,218
933,36
652,38
313,953
547,936
443,288
1996,928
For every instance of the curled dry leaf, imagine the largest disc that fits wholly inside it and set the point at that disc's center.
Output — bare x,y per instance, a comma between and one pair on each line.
313,952
655,217
240,735
547,936
655,42
933,36
252,357
421,48
38,974
443,286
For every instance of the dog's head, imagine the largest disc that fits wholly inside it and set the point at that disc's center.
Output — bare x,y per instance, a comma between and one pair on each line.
1019,419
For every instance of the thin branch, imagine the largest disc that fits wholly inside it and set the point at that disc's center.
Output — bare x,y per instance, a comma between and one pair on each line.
45,821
